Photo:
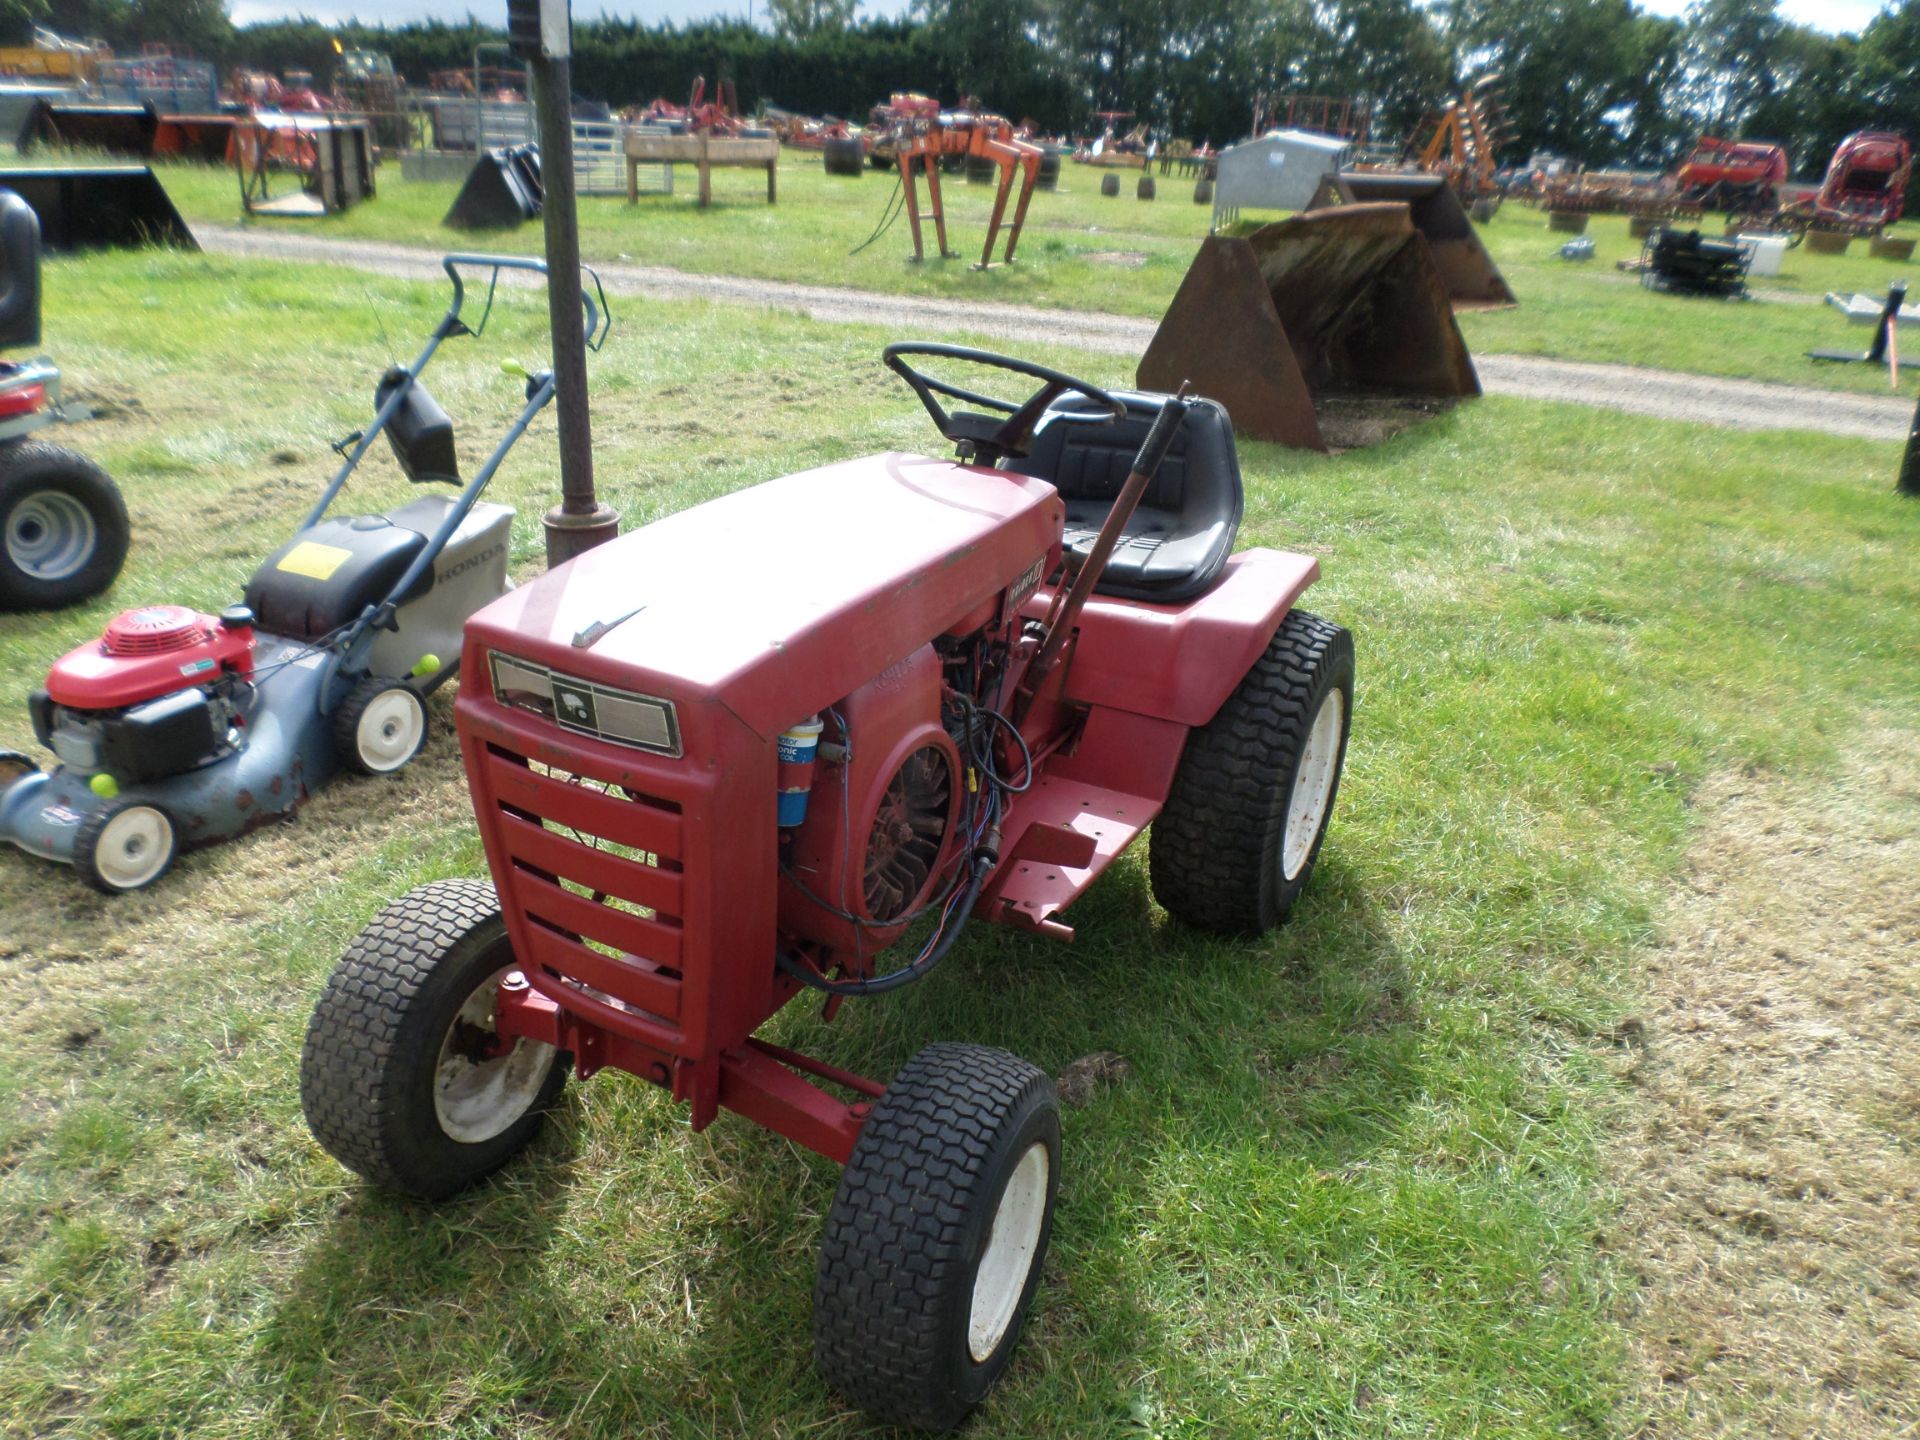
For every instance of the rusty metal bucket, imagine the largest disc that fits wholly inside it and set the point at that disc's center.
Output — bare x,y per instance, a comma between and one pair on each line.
1473,281
1331,301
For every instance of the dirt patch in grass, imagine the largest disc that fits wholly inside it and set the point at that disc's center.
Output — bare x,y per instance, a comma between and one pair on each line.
1772,1171
1354,420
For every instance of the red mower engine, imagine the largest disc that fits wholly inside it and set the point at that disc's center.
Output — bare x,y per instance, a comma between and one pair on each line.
161,692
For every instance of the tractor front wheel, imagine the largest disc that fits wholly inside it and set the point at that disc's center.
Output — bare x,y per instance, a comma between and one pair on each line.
380,726
1241,829
63,527
933,1248
403,1078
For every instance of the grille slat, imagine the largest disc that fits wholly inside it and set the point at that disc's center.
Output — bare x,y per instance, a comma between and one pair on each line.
594,920
622,979
657,889
630,822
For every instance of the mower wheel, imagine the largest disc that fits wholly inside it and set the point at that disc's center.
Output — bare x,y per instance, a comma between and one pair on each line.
1242,827
379,727
63,527
402,1077
933,1248
124,846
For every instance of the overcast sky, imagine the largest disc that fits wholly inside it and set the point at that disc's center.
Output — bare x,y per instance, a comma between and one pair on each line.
1827,14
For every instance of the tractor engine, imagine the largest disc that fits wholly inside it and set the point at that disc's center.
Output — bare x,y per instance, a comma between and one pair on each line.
164,690
904,784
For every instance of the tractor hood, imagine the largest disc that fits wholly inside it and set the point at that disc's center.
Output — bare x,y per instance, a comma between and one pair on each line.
781,599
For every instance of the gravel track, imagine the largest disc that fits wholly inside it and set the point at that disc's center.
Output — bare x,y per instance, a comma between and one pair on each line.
1664,394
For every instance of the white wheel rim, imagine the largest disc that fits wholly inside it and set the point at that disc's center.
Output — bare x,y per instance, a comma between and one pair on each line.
390,729
1011,1245
475,1099
1313,784
134,847
50,535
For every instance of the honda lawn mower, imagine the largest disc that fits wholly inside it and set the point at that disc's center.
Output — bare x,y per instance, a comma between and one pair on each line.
178,728
63,525
729,759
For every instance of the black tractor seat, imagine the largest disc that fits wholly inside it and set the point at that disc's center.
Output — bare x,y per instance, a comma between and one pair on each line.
1180,536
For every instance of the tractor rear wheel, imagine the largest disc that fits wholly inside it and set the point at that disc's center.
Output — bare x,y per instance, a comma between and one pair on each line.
124,846
933,1248
379,727
403,1079
63,527
1242,827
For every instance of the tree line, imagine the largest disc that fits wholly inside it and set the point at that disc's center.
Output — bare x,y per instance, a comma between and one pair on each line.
1604,82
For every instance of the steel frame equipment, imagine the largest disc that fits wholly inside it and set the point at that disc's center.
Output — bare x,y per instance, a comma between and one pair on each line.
924,135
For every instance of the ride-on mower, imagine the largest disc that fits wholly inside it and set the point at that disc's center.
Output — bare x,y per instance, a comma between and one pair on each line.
63,525
729,759
178,728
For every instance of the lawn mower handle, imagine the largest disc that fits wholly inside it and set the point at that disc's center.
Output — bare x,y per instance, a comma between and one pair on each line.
599,318
539,393
599,321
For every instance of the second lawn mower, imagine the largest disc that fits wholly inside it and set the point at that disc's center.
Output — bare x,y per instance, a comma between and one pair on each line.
727,760
178,728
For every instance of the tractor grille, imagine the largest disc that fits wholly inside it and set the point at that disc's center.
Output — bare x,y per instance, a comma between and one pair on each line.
597,872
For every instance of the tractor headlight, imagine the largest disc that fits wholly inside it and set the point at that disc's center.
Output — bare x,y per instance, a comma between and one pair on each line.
642,721
523,686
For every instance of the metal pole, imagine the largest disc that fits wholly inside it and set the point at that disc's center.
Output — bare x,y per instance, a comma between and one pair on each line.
1889,317
579,521
1910,462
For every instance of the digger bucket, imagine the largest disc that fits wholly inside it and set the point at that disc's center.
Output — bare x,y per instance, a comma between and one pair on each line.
118,129
81,207
502,189
1473,281
1331,301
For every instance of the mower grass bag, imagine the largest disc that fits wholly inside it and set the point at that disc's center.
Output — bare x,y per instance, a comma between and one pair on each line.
1473,281
1331,301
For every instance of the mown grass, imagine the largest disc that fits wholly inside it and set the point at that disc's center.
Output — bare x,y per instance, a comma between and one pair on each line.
1354,1184
1083,251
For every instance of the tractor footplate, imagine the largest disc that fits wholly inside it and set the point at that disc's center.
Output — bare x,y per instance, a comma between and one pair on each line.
1073,831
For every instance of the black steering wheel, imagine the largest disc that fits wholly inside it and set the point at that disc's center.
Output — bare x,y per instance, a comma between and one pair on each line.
986,439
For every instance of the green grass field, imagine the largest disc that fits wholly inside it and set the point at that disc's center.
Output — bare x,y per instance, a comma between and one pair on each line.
1084,252
1358,1182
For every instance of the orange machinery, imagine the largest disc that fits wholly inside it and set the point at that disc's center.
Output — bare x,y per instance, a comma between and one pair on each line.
922,135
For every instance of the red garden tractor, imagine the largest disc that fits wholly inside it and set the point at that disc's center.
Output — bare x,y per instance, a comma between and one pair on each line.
63,523
732,758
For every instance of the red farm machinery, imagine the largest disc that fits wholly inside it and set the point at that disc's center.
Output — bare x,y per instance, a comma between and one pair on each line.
1863,191
976,682
1865,188
919,135
1738,176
